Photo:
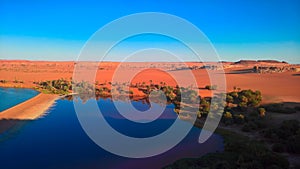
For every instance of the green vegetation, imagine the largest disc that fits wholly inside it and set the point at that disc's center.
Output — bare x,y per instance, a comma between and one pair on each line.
280,108
211,87
239,152
60,86
241,105
285,137
18,81
242,110
297,108
244,98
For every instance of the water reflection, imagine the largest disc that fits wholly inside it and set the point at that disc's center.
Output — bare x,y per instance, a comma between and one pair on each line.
58,141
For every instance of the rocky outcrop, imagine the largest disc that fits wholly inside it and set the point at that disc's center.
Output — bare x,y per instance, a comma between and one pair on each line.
275,69
248,62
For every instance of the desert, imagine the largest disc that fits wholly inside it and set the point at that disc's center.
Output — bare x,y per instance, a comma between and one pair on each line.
280,86
260,95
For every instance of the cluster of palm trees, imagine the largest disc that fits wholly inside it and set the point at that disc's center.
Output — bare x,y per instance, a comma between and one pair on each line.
181,97
60,86
243,107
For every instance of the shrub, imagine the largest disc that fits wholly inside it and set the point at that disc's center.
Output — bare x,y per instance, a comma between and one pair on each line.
291,127
246,128
228,115
3,81
297,108
280,108
249,126
239,119
253,114
286,110
245,98
260,123
229,99
293,145
278,147
269,133
221,165
275,160
227,118
251,164
287,136
18,81
211,87
262,112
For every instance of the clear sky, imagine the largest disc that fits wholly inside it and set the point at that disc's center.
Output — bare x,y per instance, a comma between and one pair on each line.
56,30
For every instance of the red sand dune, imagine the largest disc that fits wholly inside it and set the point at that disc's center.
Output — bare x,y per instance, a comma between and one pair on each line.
275,87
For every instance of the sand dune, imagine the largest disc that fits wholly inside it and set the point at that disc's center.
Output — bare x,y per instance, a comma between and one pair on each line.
275,87
30,109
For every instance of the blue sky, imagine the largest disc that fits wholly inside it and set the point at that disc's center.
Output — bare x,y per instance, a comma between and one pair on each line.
56,30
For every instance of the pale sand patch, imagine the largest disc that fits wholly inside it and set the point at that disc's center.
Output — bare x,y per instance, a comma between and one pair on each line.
30,109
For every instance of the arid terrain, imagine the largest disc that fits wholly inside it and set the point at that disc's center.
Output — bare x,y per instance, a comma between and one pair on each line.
278,81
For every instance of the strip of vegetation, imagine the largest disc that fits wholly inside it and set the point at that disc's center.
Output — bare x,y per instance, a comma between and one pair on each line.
285,137
280,108
242,110
17,81
241,105
60,86
239,152
211,87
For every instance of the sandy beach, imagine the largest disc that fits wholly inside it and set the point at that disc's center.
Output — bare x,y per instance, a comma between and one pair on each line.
30,109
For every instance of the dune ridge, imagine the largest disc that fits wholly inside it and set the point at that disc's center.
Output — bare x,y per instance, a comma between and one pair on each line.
275,86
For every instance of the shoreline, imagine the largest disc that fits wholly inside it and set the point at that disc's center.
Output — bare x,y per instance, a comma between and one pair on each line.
275,86
30,109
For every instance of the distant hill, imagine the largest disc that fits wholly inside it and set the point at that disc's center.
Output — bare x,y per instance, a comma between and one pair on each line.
246,62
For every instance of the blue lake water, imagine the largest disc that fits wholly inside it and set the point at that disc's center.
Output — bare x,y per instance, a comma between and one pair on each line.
10,97
58,141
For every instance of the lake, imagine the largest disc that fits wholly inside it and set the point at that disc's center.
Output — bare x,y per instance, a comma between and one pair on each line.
13,96
58,141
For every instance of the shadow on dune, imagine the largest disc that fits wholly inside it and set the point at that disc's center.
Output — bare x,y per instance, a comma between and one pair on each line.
283,107
296,74
287,104
242,71
10,127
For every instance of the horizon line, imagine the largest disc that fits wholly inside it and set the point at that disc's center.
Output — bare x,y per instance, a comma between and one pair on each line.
113,61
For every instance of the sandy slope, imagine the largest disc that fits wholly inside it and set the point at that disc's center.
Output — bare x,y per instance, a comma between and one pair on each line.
275,87
30,109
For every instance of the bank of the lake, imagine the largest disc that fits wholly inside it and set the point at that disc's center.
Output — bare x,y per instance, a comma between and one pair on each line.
13,96
30,109
58,141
